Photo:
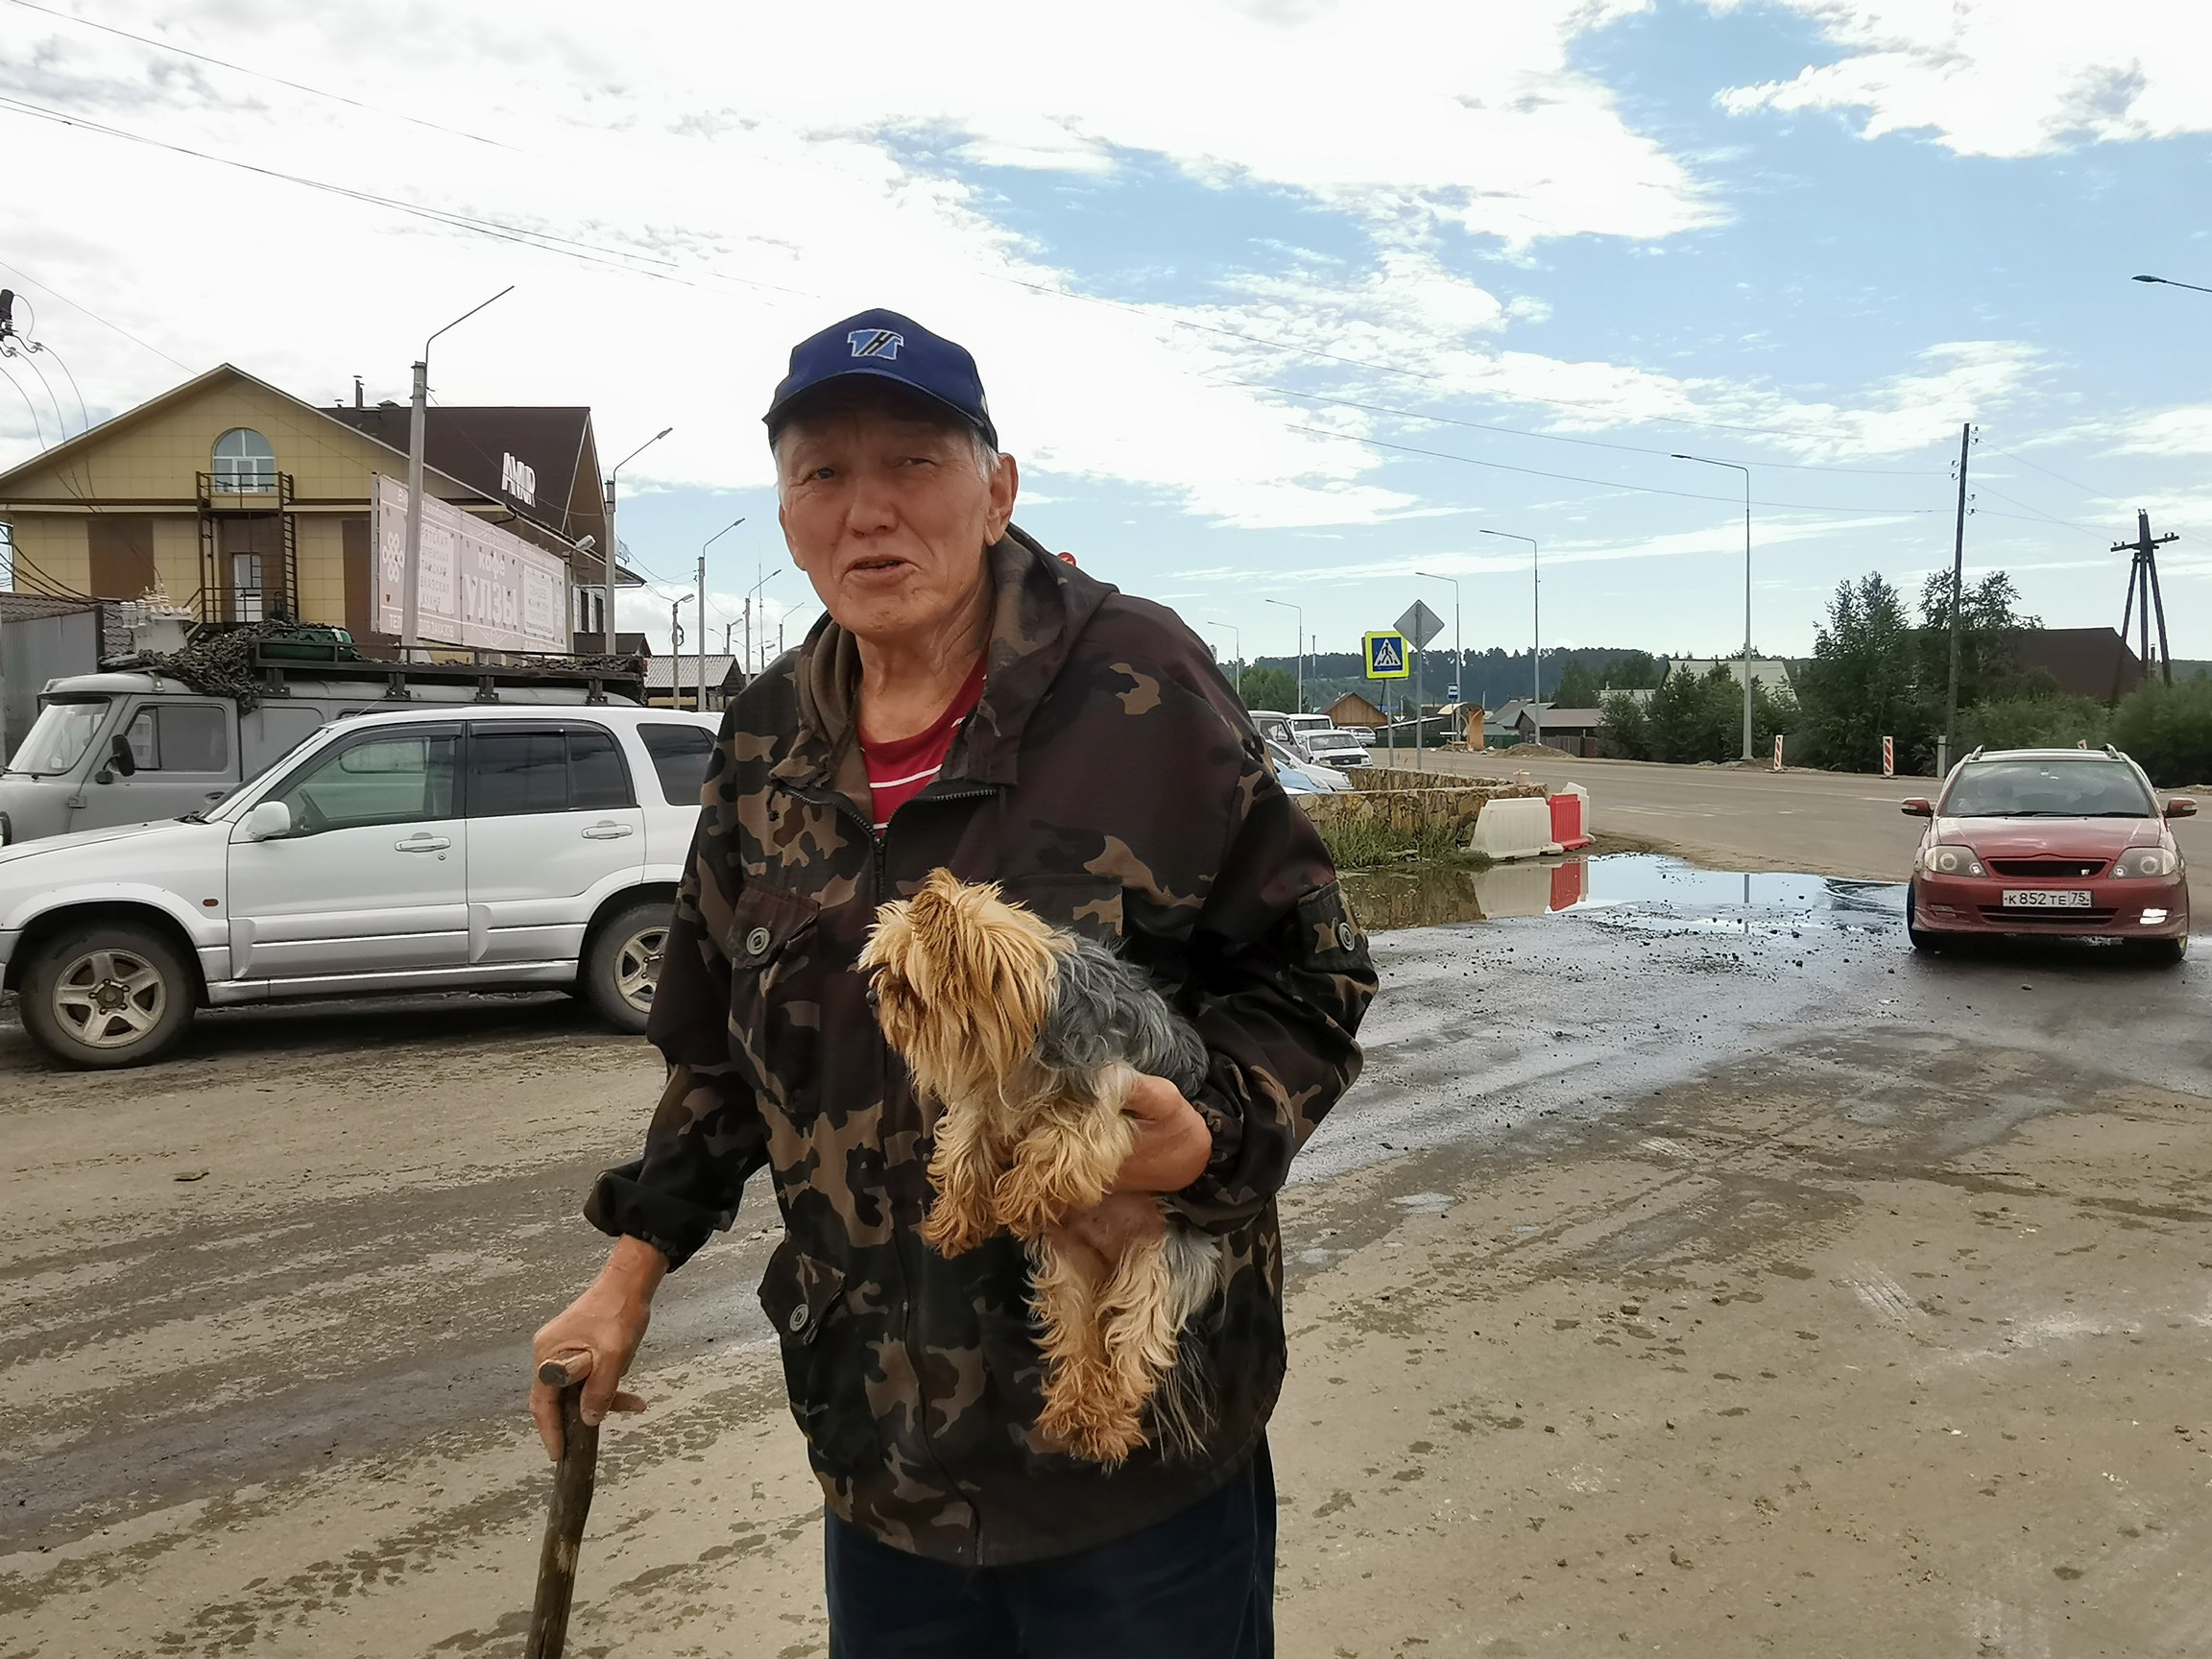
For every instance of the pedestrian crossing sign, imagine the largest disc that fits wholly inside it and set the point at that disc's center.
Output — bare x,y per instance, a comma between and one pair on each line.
1386,656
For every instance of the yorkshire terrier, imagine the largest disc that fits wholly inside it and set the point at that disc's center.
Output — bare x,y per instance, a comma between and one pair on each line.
1028,1038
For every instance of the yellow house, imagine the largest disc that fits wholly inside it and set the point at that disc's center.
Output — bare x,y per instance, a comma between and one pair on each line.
241,502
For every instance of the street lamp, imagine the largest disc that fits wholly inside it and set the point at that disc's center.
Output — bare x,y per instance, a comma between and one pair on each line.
1237,641
613,543
750,598
1301,618
411,586
1459,653
1708,461
1536,621
2171,283
703,546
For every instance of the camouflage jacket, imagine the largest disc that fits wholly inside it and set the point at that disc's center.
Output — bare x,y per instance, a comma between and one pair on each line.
1110,780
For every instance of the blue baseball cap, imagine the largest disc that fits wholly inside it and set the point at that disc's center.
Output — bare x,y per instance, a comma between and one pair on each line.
885,346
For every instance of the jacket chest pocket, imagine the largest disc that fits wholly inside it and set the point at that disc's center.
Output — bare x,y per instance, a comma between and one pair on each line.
777,977
1077,900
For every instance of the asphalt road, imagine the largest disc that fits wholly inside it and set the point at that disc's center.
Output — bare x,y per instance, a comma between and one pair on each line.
1747,818
1698,1270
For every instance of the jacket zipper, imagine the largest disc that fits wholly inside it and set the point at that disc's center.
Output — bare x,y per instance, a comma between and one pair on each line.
907,1245
880,850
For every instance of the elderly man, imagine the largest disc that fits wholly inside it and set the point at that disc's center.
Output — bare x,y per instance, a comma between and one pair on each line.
971,702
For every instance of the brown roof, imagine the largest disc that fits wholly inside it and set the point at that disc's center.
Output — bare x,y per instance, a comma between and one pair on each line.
2085,661
473,443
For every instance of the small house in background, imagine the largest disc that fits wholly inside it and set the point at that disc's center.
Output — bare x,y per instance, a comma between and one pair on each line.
1574,730
1354,709
673,681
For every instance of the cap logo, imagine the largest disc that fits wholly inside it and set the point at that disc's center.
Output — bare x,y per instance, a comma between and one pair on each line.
883,343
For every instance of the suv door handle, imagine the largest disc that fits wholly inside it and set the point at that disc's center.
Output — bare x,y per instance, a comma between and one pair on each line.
606,831
423,844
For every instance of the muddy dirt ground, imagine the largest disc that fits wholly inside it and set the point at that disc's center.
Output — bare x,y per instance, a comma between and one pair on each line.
1684,1276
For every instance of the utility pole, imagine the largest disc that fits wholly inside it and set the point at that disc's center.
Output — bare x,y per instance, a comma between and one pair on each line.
702,633
2143,578
1958,599
1739,467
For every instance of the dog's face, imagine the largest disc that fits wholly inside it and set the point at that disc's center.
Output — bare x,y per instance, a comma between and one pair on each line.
961,981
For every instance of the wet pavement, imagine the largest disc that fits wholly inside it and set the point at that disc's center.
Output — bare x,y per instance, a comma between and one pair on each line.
267,1306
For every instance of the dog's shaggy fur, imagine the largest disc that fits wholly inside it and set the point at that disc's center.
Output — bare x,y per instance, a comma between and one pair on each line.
1029,1039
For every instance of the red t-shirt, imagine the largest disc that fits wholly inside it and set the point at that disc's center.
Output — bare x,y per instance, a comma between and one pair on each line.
900,771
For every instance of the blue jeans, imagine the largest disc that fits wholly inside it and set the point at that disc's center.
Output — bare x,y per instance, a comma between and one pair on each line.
1199,1586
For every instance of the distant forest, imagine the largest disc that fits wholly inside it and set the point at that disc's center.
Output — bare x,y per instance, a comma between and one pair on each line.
1493,676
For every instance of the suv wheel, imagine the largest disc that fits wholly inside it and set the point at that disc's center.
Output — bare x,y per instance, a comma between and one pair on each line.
108,994
623,965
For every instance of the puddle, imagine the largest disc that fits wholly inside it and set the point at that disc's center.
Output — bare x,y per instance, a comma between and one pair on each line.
1645,891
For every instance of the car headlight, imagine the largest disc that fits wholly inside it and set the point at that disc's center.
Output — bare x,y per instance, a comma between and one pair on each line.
1952,862
2148,861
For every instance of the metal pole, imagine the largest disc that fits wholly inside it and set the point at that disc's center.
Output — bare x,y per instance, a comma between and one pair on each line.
411,583
702,633
1957,598
411,587
615,543
1536,644
1738,466
1300,617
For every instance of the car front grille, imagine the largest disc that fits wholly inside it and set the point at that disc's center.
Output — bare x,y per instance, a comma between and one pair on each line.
2060,867
1998,916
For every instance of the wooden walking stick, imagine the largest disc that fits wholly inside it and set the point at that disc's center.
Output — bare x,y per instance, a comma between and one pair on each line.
572,1481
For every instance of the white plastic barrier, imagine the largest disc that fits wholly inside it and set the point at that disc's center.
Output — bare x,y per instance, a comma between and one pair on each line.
1514,829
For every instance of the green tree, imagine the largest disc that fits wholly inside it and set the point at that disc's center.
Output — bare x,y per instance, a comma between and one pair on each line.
1633,671
1270,689
2167,730
1862,683
2054,721
1627,733
1577,687
1989,614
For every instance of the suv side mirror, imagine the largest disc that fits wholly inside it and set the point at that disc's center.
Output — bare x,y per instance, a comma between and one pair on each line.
120,758
2182,806
268,820
1916,808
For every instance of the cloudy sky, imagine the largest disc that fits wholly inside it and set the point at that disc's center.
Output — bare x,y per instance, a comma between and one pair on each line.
1287,299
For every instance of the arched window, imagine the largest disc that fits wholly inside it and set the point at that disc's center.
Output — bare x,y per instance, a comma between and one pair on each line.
244,463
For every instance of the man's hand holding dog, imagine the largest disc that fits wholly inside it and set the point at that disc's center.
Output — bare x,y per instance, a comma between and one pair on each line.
1173,1146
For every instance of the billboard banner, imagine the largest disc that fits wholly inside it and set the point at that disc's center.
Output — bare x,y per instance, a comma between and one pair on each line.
479,584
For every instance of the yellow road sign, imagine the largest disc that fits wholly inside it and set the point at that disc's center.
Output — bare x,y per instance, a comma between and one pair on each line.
1388,657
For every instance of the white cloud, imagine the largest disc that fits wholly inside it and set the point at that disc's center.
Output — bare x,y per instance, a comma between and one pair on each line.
2008,78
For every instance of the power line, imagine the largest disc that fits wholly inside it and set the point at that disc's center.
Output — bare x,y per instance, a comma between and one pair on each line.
2060,476
1602,483
257,74
25,276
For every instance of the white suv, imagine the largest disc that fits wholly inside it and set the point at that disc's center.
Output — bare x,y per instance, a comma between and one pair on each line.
439,849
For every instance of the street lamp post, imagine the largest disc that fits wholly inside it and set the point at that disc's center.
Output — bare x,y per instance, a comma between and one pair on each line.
411,582
2169,282
1458,651
751,599
1300,615
614,542
703,546
1237,642
1536,622
1737,466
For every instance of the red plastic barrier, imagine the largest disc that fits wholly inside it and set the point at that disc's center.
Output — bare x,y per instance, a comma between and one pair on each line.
1571,818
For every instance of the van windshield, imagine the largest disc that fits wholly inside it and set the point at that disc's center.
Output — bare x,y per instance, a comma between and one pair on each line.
60,736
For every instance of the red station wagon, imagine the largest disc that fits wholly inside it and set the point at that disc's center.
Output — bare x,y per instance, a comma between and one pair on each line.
2041,841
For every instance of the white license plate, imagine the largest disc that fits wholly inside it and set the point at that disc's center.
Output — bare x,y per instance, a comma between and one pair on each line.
2047,898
